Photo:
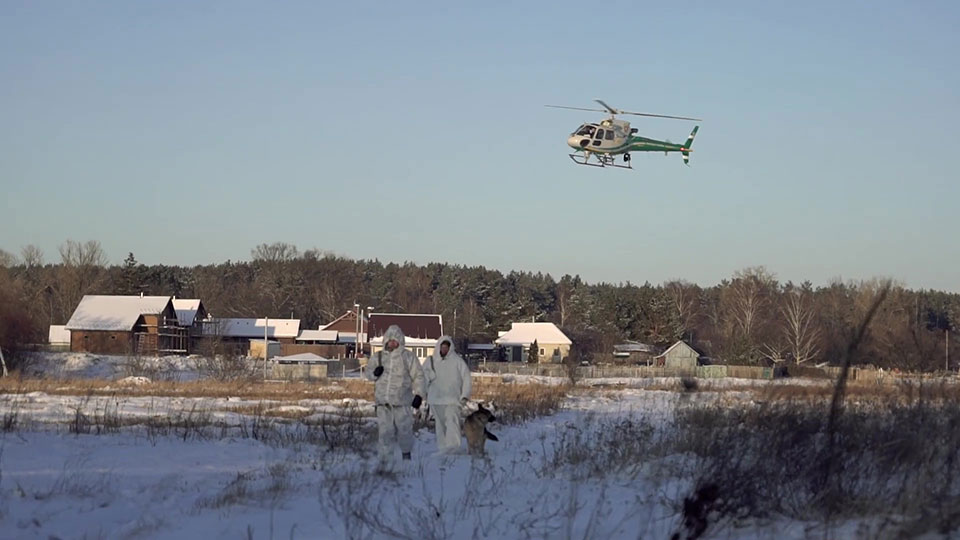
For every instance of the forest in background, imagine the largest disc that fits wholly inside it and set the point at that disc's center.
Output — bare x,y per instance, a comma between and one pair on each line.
749,318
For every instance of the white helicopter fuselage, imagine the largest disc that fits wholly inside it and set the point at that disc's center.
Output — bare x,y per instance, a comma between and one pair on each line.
608,136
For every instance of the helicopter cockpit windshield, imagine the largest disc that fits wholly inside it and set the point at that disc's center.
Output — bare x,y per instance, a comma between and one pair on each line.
586,129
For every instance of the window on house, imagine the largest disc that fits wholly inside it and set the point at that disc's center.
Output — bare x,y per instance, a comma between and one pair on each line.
542,352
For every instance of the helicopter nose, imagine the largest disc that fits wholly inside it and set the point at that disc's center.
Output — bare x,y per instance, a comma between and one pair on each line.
576,141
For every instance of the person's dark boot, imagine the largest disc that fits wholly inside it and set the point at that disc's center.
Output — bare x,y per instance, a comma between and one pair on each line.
406,456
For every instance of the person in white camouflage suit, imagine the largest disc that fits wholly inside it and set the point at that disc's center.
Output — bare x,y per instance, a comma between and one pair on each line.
448,390
398,386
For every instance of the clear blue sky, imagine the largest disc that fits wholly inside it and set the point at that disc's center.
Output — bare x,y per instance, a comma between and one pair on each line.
190,132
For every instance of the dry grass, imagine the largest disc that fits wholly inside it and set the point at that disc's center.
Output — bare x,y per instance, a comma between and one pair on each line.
515,402
253,390
519,402
904,392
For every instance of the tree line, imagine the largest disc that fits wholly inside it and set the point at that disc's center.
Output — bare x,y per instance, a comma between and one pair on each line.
748,318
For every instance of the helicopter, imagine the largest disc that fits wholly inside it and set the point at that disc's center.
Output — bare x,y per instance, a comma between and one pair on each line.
611,138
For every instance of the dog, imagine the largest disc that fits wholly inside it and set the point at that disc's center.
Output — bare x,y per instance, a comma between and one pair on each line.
475,429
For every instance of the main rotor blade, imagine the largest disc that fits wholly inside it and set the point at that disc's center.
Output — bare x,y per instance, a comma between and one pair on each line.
609,109
660,116
575,108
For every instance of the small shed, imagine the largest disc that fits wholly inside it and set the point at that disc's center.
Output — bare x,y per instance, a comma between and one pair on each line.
59,336
305,366
318,337
680,355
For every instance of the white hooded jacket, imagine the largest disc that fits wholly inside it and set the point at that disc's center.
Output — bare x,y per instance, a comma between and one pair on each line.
402,375
448,378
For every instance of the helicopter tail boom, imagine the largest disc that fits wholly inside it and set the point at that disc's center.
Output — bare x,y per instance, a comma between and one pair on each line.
685,152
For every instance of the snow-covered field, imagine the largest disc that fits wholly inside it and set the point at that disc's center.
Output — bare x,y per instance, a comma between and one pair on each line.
129,482
177,467
71,365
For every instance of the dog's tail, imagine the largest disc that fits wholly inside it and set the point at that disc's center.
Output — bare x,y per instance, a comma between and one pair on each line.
490,436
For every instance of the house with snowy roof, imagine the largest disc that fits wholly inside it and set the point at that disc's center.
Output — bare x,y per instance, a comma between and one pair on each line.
107,324
552,344
281,330
190,311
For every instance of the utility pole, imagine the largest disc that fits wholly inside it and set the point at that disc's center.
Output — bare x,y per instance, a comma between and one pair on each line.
366,333
356,344
266,346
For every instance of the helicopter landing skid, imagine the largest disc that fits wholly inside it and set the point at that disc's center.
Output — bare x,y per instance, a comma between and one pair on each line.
603,160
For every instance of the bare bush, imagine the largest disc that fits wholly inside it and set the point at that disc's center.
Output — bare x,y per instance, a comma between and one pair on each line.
237,491
226,366
137,365
778,459
889,457
520,402
592,448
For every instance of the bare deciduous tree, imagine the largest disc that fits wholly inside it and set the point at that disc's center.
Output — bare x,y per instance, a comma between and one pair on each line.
32,256
7,259
89,253
275,252
746,305
750,288
685,298
800,329
81,269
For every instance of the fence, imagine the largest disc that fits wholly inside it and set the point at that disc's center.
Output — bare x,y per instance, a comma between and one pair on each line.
632,372
859,375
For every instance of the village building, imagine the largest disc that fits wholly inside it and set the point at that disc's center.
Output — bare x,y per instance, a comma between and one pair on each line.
552,344
680,355
106,324
421,331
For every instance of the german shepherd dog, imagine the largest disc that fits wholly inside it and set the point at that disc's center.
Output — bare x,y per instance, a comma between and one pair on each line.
475,429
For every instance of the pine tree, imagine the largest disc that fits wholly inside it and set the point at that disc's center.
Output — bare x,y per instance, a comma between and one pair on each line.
533,356
131,276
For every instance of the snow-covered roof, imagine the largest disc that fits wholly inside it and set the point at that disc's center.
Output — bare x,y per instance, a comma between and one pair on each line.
253,328
302,358
318,335
633,346
407,342
350,337
114,313
527,333
59,335
186,310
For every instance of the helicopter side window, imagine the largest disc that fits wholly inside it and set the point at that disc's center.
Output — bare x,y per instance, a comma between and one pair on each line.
609,135
586,130
599,134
